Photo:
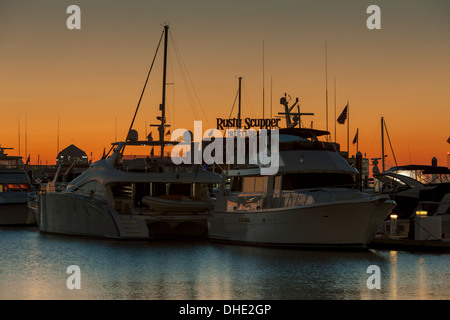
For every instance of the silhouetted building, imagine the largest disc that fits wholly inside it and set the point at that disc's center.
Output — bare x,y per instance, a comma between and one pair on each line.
70,154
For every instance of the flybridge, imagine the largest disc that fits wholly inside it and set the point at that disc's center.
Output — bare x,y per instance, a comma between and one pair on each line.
249,123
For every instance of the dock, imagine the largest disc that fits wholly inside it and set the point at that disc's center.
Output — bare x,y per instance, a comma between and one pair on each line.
401,243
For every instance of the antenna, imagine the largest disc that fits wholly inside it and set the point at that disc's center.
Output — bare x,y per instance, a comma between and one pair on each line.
263,78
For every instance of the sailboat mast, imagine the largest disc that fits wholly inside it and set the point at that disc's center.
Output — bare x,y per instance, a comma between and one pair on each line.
335,110
18,132
382,143
326,84
263,98
162,106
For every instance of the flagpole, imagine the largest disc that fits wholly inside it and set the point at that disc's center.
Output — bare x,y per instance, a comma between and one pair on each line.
382,143
357,140
326,84
348,128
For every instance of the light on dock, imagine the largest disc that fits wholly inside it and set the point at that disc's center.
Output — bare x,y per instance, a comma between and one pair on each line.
421,213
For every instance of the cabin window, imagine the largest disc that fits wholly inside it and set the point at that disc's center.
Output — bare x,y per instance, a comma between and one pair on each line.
122,197
141,189
255,184
122,191
25,187
180,189
14,187
3,188
158,189
236,184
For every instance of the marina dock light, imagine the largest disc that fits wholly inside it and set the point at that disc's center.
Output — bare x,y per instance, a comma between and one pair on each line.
421,213
393,225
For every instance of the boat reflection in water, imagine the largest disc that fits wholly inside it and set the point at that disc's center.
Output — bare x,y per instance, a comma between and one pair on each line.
310,202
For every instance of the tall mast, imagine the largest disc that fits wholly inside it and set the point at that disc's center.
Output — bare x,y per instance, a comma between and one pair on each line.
18,132
335,110
348,130
263,80
326,84
239,111
26,150
382,143
162,106
57,139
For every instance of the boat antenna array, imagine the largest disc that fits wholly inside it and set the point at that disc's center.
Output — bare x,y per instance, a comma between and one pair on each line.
296,116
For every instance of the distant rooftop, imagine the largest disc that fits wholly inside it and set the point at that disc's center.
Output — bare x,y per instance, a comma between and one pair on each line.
70,154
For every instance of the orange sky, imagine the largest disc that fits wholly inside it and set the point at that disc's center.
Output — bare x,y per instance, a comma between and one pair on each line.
92,78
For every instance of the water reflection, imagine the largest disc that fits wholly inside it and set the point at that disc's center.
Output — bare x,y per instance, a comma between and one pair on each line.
33,266
393,275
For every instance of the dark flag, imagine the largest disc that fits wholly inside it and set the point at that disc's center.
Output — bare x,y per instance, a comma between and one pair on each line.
168,132
448,140
343,116
355,139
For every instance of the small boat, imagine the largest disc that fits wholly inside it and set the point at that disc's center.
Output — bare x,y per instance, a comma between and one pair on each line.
14,188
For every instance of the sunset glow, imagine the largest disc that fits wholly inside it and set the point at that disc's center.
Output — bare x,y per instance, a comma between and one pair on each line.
60,87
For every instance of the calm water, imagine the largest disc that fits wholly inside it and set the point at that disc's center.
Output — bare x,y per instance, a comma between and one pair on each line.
34,266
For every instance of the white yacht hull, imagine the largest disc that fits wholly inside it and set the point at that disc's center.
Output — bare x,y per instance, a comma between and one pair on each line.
65,213
75,215
349,224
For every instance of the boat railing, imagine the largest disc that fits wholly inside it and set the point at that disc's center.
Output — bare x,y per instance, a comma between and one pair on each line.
97,194
285,199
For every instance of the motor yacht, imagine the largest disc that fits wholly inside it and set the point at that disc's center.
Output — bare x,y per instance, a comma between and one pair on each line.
310,202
